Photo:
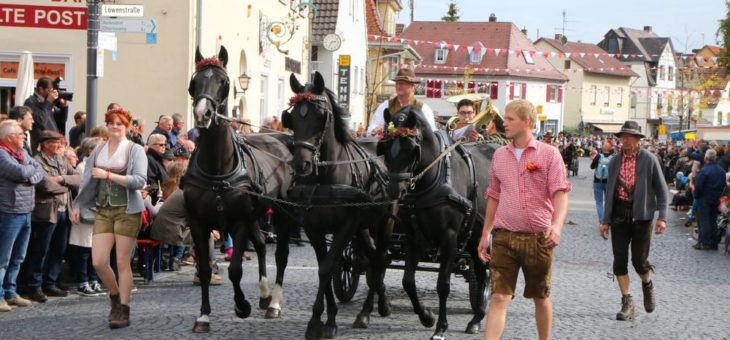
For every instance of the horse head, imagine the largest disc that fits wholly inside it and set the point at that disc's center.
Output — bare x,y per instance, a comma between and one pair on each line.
311,119
209,87
401,148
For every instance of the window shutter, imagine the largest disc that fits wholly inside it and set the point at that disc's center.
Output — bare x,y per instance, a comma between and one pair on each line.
524,91
547,95
511,91
560,94
493,90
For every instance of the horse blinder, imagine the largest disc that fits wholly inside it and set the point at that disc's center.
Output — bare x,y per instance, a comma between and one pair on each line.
286,119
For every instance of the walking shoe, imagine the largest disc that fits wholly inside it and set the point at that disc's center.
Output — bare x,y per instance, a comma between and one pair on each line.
96,287
649,297
19,301
4,307
627,308
86,290
188,260
115,303
55,292
121,318
37,296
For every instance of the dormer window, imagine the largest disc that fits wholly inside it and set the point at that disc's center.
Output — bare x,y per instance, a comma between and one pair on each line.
613,45
528,57
440,55
475,57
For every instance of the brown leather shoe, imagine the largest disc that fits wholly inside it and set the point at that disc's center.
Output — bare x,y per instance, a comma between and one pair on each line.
121,318
55,292
627,308
649,296
37,296
115,302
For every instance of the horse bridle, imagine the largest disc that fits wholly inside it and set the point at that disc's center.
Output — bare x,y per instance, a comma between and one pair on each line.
217,104
315,148
408,174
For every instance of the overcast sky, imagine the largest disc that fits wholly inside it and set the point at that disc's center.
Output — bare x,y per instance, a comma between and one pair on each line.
685,21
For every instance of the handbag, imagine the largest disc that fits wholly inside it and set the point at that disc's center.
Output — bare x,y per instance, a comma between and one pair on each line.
87,215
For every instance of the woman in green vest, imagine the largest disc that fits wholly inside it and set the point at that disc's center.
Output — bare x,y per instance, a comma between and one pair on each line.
114,174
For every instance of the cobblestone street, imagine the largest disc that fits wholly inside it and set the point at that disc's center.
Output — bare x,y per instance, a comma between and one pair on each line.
691,287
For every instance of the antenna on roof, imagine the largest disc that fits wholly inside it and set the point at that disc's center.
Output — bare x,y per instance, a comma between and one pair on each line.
564,22
410,3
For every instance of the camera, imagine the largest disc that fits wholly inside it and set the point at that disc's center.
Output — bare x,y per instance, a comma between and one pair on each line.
62,93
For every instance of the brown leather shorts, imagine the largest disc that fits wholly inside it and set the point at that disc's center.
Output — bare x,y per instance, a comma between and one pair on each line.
115,220
512,251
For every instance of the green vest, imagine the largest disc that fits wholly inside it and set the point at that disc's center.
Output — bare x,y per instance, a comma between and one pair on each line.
112,194
394,105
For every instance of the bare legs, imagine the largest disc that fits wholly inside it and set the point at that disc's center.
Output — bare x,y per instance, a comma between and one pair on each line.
102,246
497,316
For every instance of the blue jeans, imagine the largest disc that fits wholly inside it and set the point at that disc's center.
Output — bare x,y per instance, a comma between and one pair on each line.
707,218
599,193
14,235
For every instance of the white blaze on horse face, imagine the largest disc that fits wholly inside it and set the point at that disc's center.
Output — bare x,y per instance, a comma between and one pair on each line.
200,109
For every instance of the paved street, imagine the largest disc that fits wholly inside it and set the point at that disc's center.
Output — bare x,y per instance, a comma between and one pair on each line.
692,288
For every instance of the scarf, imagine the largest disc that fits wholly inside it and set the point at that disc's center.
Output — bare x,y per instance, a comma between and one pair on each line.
17,154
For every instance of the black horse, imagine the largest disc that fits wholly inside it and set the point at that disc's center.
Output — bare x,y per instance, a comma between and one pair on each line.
439,188
333,170
222,173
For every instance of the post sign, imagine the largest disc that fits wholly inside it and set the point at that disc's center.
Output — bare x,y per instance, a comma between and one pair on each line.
73,18
343,82
122,11
129,25
662,129
9,70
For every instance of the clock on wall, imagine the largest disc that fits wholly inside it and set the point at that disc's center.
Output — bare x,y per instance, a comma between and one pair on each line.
332,42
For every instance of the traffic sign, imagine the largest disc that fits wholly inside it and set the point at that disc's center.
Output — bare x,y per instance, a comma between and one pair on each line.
122,11
129,25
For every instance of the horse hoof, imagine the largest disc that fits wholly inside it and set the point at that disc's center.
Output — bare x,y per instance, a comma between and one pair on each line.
384,309
438,336
472,328
243,312
272,313
330,332
314,330
427,319
201,327
264,302
361,321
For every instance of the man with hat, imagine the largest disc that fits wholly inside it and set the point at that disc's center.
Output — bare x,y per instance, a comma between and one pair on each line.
634,192
405,82
49,222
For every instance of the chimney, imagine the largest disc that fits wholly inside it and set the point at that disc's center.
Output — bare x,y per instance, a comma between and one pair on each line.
647,28
524,31
492,18
399,28
558,36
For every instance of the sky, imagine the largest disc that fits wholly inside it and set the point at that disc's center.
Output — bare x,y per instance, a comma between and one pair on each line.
687,22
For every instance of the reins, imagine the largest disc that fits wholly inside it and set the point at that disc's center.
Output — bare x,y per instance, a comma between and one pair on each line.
414,179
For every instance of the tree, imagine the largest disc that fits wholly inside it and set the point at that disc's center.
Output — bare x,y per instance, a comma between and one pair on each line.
452,14
724,32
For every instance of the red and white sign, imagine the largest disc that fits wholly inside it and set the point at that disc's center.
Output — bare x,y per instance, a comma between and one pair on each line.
73,18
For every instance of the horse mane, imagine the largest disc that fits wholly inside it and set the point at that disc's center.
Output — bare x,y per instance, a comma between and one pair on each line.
342,132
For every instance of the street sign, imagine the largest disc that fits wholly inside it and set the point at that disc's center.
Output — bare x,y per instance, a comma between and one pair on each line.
129,25
662,129
663,139
344,60
151,38
108,41
122,11
343,84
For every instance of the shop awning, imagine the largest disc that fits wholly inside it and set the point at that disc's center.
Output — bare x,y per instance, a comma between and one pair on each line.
608,128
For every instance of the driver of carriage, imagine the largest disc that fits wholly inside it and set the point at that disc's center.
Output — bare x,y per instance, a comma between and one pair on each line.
405,82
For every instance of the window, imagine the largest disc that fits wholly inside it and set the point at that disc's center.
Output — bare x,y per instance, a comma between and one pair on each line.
517,91
606,96
475,57
671,73
440,56
661,73
355,81
528,57
594,94
391,63
493,90
552,94
420,89
281,92
482,88
632,100
613,45
362,80
263,102
620,99
567,65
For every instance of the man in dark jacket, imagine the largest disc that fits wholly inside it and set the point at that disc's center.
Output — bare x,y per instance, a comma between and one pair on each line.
50,224
635,190
156,172
78,132
709,185
164,127
18,175
45,112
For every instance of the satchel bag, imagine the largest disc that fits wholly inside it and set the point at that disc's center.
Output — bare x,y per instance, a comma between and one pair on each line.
87,215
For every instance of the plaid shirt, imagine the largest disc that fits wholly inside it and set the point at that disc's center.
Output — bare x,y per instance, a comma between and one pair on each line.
524,195
627,177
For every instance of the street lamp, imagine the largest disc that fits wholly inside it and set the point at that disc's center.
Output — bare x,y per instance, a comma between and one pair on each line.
243,81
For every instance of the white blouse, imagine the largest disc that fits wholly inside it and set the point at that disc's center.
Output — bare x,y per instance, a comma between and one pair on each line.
118,160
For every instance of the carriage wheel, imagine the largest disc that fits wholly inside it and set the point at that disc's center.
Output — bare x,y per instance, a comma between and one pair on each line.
344,277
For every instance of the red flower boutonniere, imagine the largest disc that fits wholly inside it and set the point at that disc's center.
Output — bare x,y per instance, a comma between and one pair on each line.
532,166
